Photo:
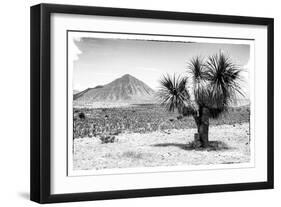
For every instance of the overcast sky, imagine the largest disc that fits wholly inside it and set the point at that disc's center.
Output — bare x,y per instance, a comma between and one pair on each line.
100,61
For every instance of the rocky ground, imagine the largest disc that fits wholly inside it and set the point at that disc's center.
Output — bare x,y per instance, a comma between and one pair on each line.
230,144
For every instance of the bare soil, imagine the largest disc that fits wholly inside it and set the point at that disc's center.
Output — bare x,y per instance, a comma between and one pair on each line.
229,144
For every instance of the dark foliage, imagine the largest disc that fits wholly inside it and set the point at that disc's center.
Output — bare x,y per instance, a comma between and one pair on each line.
214,84
224,79
82,115
173,92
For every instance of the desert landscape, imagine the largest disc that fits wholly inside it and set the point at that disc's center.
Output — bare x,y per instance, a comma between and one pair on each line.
144,102
167,147
114,131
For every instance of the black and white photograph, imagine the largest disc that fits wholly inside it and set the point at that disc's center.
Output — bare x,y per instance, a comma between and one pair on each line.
144,103
129,103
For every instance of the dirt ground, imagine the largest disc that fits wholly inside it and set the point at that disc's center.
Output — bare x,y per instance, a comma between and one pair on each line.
169,148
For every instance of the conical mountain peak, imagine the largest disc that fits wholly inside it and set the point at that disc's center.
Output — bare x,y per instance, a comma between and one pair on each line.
127,76
127,88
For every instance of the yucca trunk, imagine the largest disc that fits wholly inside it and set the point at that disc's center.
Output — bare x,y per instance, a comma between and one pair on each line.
202,122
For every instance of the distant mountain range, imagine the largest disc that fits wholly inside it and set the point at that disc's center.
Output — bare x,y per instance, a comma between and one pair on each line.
124,89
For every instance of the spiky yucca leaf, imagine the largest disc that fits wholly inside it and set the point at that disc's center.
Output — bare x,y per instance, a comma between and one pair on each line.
198,74
215,84
173,94
223,78
196,69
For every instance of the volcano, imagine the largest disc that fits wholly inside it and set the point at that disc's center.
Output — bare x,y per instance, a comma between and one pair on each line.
126,89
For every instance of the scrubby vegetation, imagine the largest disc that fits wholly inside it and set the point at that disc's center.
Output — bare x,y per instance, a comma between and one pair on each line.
109,122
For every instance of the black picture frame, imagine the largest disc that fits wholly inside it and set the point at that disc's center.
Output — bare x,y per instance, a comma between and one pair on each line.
41,99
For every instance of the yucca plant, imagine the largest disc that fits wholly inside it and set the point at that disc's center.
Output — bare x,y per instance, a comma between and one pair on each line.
206,91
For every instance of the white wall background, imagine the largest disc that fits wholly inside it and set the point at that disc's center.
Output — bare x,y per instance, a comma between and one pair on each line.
14,104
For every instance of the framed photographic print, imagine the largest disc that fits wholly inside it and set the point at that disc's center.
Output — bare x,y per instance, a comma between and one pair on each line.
133,103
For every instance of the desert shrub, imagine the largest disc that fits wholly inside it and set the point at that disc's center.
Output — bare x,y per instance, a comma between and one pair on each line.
107,139
132,154
140,119
82,115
